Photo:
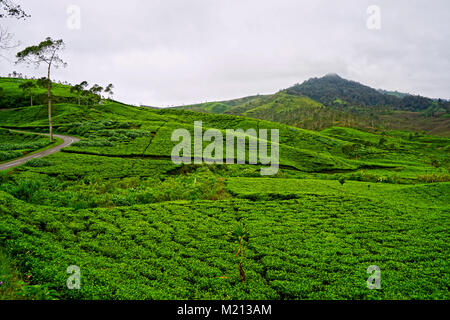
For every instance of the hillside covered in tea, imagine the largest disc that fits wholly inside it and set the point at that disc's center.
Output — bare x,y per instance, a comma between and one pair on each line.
320,103
142,227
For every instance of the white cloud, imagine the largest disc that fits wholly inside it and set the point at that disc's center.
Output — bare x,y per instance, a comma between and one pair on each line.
176,51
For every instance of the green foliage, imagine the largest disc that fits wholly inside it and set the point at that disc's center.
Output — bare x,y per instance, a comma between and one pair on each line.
15,144
382,141
36,163
320,103
13,96
141,227
24,189
431,178
3,177
46,51
179,250
7,155
27,88
263,189
332,88
242,237
13,287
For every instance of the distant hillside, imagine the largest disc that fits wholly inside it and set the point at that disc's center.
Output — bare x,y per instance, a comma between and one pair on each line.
394,93
320,103
143,227
219,107
333,90
11,96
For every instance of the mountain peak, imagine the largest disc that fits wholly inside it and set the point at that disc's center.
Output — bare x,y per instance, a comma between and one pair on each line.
332,87
332,75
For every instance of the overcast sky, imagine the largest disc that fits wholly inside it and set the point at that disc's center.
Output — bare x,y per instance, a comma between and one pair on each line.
173,52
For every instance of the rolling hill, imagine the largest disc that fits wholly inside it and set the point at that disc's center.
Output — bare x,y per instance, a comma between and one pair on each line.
11,96
332,87
140,226
320,103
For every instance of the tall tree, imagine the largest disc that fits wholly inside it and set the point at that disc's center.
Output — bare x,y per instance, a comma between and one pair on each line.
86,94
109,90
46,53
27,88
42,82
79,88
95,91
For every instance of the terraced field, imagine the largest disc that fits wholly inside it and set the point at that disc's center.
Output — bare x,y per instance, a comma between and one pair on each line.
141,227
16,144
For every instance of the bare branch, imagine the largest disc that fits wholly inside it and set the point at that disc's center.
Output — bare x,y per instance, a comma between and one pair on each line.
6,39
9,9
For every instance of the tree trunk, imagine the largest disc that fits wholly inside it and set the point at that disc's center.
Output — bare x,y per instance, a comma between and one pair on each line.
31,99
49,92
241,273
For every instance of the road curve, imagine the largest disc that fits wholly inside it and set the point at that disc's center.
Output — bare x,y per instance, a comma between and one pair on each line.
17,162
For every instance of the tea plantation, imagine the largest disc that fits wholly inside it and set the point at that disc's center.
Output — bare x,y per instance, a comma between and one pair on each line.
16,144
141,227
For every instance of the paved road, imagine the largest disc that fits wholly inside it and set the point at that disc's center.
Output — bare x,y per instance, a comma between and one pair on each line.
14,163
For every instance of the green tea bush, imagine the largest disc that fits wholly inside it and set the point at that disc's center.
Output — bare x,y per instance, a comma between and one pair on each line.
203,185
15,144
306,248
432,178
6,155
37,163
99,142
23,189
142,227
3,177
26,145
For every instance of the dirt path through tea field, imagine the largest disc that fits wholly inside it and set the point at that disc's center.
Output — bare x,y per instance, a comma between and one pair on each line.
67,141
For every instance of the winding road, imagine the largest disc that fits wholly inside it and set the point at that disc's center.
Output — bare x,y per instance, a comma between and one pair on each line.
17,162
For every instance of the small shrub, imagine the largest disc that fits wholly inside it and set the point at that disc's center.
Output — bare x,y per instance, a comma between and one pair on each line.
38,163
6,155
24,189
431,178
242,237
3,177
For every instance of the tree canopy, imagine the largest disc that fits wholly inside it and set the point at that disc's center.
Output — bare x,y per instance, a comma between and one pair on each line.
109,89
10,9
27,88
44,52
